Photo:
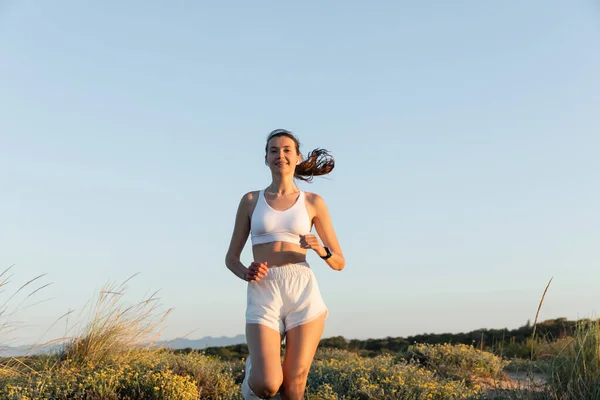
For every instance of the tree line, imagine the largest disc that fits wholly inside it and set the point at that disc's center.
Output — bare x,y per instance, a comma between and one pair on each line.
508,342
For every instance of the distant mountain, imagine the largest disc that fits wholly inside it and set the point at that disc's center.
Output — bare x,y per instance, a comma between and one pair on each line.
176,344
28,350
199,344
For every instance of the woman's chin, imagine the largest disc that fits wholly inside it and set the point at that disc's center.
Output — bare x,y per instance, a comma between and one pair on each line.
284,170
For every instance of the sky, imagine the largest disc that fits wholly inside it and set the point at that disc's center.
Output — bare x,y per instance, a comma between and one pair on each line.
465,135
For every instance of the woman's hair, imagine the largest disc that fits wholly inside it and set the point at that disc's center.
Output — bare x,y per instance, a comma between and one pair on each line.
318,162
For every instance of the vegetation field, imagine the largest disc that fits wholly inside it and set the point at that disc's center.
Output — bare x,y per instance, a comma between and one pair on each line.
112,357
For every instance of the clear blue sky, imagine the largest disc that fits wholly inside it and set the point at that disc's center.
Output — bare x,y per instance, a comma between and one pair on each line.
466,136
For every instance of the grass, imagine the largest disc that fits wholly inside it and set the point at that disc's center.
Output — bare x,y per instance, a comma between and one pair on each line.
8,313
112,357
115,328
440,372
7,324
575,371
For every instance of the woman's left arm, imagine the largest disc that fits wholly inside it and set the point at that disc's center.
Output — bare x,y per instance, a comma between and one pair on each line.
324,227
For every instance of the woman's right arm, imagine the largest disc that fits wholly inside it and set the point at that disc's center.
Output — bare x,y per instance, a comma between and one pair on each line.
241,230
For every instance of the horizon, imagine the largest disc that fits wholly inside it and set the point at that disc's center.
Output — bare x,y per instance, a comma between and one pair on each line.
465,139
195,339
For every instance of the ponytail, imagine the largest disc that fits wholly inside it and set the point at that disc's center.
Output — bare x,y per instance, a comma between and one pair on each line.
319,162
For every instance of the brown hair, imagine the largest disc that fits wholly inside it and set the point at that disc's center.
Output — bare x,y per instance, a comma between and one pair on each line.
318,162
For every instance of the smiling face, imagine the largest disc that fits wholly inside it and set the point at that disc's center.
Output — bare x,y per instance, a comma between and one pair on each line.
282,155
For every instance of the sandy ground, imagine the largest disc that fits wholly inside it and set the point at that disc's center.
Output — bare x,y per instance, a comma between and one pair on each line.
515,381
523,378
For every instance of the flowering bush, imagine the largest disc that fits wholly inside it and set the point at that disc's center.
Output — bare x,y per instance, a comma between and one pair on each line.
459,361
145,375
334,375
343,376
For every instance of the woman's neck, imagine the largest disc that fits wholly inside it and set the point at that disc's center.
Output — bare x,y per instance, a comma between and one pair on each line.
282,185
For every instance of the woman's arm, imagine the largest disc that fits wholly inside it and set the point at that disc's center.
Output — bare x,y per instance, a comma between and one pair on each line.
241,230
324,228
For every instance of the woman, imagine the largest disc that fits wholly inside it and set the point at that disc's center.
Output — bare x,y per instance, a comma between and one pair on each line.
283,296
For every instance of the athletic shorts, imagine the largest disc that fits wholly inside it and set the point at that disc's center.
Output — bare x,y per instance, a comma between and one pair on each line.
288,296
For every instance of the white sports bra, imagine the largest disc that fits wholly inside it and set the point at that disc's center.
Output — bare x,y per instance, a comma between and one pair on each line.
269,225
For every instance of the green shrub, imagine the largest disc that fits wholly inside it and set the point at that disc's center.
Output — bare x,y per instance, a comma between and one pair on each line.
459,361
381,377
213,378
153,375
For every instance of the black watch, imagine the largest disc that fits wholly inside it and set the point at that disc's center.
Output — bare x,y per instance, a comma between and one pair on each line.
325,257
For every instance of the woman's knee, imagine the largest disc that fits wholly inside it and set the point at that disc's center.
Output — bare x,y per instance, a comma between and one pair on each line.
265,387
294,389
294,383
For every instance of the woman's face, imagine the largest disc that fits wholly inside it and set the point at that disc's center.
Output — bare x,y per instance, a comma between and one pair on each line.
282,155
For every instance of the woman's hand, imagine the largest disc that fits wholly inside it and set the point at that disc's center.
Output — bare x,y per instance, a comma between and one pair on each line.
256,271
311,242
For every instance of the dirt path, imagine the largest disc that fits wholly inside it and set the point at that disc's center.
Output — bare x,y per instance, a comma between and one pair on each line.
524,378
514,381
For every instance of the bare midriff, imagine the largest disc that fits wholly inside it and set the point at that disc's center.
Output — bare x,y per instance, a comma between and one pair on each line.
277,254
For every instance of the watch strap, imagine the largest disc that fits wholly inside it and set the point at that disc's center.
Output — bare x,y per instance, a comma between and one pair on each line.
325,257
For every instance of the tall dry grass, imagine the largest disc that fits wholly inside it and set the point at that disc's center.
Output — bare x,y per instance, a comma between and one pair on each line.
574,373
9,325
116,328
572,364
7,313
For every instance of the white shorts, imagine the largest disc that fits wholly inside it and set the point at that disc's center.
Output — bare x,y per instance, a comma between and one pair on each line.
288,296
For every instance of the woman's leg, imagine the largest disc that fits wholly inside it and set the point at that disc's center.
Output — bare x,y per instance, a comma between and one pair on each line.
300,346
264,345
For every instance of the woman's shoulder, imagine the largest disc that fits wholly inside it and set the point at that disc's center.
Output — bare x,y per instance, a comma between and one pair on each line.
314,199
250,198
